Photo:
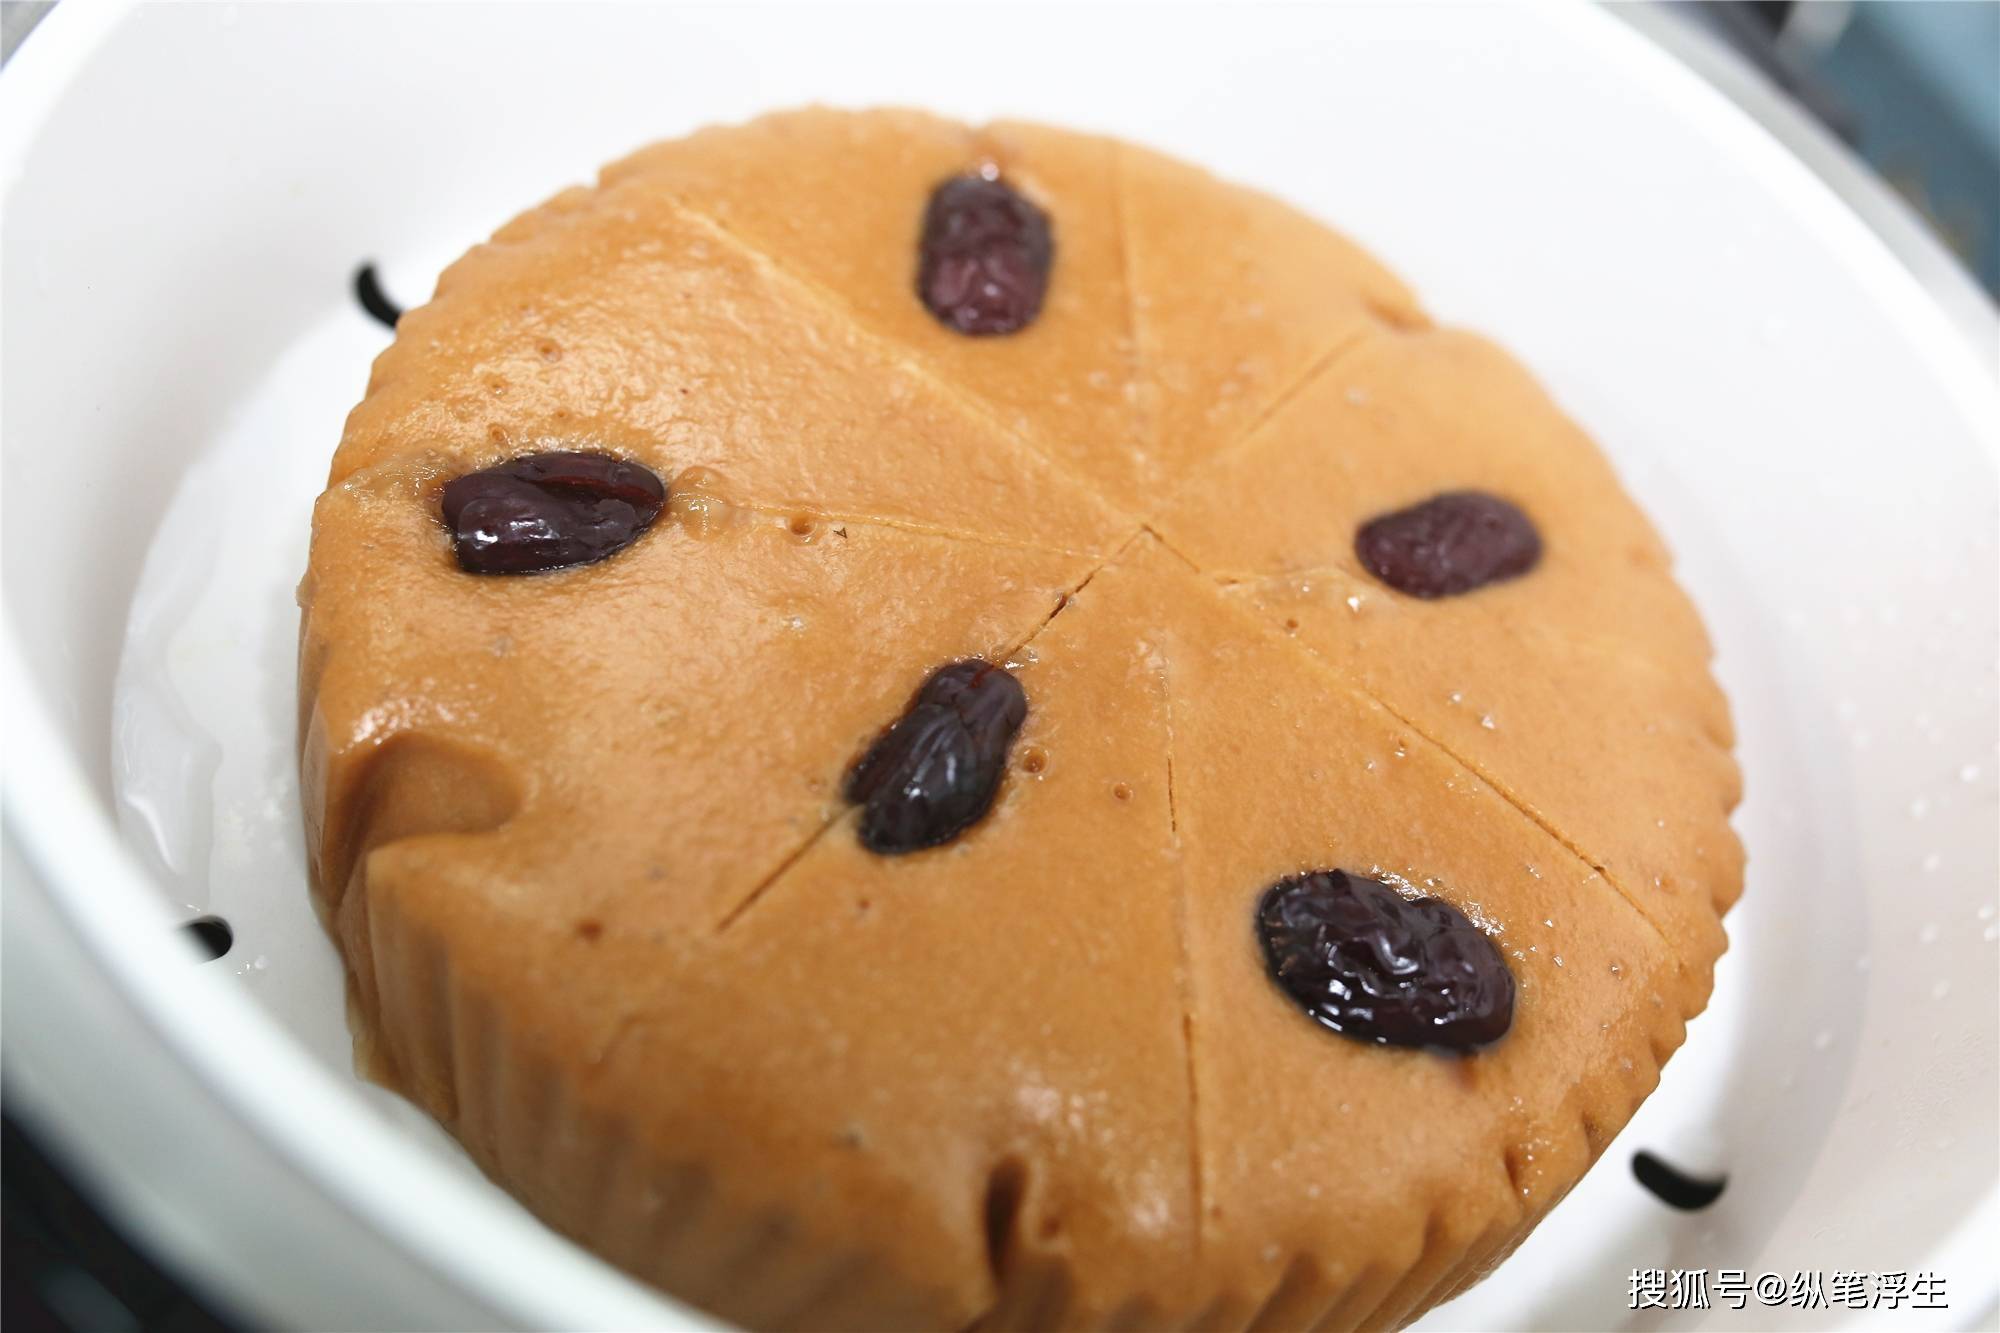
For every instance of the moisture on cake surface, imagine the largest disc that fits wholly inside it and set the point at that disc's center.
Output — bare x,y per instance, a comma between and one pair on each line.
907,725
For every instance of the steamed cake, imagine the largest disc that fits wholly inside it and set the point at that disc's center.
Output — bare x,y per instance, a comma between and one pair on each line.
584,841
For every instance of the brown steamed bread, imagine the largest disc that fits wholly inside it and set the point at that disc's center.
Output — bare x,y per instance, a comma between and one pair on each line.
583,837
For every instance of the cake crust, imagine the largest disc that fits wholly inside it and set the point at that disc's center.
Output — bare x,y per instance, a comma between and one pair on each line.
580,840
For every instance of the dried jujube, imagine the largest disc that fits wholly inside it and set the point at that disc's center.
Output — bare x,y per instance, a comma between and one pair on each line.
1369,963
983,261
549,511
935,771
1449,544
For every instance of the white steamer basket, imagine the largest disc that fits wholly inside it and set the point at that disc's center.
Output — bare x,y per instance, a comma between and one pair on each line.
190,188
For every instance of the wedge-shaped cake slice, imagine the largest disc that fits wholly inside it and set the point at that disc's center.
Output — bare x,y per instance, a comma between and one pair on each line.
982,1046
850,220
613,319
1591,663
1403,417
1354,1178
1653,812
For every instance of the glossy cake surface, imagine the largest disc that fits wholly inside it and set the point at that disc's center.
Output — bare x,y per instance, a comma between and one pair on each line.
585,837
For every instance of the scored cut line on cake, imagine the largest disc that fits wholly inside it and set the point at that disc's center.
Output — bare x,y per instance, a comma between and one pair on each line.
894,352
1182,928
1323,667
1607,646
1144,427
763,886
829,821
910,526
1322,364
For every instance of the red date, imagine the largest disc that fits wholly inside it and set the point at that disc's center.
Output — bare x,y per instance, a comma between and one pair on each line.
935,771
1450,544
983,264
549,511
1369,963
